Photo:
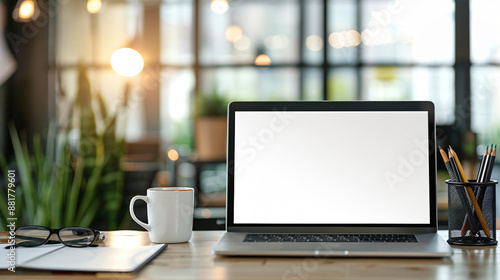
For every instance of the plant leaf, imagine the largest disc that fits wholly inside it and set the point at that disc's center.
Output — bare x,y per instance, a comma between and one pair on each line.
70,218
63,174
89,196
89,215
24,167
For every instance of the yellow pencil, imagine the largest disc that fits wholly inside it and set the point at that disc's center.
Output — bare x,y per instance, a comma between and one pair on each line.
472,197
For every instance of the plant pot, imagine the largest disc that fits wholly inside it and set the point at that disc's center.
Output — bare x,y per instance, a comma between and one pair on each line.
210,134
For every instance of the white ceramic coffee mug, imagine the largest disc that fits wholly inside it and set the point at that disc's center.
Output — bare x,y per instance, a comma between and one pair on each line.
170,214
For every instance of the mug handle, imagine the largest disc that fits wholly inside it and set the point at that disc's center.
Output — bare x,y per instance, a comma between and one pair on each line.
132,214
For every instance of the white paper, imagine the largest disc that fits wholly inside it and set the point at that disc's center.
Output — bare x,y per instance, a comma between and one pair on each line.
25,254
91,259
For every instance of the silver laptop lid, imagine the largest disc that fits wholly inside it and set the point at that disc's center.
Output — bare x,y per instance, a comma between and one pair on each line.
331,167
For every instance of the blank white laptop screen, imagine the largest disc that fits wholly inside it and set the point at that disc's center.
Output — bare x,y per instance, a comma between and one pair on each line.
331,168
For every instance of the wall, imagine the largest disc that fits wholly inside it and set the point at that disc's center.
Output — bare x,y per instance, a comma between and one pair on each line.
26,92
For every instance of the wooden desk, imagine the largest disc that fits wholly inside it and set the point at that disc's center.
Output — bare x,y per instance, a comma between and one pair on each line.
193,260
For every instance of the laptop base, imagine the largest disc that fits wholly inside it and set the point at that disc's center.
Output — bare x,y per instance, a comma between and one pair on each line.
429,245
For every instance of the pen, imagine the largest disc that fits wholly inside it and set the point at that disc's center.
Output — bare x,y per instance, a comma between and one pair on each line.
481,166
488,169
460,190
479,178
473,218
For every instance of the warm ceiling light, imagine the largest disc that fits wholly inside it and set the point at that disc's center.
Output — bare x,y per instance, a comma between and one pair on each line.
354,37
337,40
94,6
314,43
219,6
233,33
263,60
127,62
26,10
173,155
242,44
206,213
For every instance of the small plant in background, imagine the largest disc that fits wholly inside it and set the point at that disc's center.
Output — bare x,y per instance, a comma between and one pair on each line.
70,184
211,105
210,126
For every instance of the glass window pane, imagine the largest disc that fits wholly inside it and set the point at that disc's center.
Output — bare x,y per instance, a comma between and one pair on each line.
342,84
313,83
70,44
313,42
111,86
485,98
252,83
176,32
485,44
408,31
83,37
247,29
417,83
175,102
343,40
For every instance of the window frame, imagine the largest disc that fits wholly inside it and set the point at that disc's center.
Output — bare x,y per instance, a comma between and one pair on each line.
461,66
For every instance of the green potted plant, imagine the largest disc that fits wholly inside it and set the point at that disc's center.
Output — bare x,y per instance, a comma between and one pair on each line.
71,183
210,126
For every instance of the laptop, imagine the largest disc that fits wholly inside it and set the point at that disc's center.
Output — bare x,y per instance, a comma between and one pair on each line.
331,179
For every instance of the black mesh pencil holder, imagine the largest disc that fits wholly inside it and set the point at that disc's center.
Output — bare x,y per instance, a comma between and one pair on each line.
472,213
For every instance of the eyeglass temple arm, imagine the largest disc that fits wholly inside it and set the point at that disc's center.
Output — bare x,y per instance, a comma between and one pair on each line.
100,236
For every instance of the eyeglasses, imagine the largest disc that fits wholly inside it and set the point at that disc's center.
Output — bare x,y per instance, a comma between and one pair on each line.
31,236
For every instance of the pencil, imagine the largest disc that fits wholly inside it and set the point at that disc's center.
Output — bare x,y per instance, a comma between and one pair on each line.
472,197
447,165
454,168
474,222
481,174
460,190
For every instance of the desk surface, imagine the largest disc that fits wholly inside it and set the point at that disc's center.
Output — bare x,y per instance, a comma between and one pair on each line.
193,260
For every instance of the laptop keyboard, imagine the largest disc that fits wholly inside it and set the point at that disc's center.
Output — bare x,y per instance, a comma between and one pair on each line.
272,237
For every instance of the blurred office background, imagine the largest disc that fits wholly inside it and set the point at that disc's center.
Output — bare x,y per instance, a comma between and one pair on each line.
440,50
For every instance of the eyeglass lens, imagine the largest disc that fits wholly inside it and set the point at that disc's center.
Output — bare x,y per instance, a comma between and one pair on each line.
76,236
31,236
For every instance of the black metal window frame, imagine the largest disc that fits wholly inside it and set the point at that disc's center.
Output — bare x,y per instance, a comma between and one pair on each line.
462,64
447,134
